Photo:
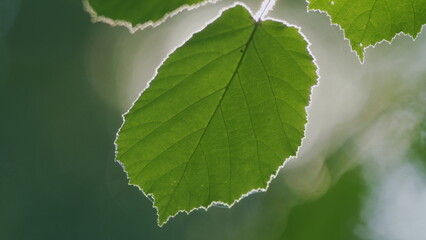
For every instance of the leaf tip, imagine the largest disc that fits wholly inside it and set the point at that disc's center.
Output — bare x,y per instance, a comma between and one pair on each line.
359,50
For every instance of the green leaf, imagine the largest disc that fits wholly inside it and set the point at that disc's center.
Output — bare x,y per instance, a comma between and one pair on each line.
221,116
367,22
137,14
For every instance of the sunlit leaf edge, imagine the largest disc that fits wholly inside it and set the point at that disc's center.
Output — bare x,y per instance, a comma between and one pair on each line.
273,176
141,26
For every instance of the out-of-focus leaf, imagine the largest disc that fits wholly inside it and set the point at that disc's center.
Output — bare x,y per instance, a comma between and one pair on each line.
334,216
367,22
140,12
223,113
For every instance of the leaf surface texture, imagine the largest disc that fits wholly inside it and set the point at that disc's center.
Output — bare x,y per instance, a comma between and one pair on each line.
221,116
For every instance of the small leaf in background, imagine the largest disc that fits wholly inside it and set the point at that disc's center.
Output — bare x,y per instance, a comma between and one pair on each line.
367,22
334,216
138,12
221,116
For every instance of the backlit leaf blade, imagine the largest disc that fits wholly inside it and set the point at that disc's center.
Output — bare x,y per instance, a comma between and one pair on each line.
138,14
221,116
367,22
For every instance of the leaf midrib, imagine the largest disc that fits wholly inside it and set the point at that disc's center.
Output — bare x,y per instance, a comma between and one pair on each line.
256,24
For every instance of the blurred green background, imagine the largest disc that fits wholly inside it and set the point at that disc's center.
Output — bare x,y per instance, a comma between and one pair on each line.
64,83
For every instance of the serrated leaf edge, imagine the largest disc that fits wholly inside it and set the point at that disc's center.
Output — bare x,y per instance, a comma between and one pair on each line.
257,16
362,59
